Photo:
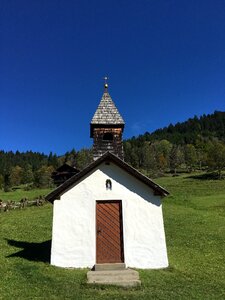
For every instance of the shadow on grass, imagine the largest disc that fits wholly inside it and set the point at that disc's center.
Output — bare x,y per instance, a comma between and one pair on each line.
32,251
206,176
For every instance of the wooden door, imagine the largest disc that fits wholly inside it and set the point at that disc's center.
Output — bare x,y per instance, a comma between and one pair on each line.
109,232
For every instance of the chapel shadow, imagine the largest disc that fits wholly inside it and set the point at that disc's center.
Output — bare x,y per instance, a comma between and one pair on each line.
32,251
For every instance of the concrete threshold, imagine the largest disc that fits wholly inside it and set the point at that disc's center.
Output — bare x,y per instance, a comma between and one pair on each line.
109,267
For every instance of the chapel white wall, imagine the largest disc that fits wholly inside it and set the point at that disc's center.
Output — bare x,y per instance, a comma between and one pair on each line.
74,225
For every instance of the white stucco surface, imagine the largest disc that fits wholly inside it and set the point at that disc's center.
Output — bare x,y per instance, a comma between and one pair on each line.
74,224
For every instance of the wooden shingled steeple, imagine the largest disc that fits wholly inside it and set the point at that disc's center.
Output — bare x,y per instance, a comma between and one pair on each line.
107,128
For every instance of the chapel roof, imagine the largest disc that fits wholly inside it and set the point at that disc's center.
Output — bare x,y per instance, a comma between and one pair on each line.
107,157
107,113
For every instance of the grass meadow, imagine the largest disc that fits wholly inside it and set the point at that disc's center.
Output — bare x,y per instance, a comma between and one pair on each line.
20,193
194,217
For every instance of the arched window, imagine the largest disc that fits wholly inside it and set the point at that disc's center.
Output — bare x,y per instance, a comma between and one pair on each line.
108,184
108,136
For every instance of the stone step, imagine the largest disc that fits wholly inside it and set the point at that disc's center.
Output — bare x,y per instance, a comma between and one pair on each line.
107,267
125,277
121,274
129,283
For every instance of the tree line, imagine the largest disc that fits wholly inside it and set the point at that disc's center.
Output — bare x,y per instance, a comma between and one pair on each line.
209,126
160,157
197,144
35,169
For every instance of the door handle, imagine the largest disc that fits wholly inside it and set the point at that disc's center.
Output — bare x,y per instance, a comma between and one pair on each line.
99,230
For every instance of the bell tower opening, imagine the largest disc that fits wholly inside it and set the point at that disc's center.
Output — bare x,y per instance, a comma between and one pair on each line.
108,136
107,127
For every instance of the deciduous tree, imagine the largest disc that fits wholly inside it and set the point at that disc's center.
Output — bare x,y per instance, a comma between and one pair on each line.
16,175
43,177
216,157
27,174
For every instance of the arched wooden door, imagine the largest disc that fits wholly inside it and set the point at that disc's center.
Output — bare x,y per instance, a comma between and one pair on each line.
109,232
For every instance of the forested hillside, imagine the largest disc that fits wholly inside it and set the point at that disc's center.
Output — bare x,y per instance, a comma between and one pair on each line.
197,144
35,169
207,126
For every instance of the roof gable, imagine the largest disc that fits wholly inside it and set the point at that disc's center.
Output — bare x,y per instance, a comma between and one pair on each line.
107,157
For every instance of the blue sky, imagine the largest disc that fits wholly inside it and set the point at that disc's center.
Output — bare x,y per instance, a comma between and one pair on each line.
165,60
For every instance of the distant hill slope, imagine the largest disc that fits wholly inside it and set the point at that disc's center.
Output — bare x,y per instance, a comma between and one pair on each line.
205,127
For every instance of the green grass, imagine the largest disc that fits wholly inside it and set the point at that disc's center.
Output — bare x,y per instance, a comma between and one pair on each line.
195,230
21,193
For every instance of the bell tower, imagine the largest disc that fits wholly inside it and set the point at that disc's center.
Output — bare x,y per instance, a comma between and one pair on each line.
107,127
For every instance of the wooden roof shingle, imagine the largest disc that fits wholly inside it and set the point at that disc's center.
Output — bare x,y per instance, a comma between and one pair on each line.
107,113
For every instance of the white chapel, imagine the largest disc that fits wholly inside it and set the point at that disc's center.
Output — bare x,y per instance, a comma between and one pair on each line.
109,212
